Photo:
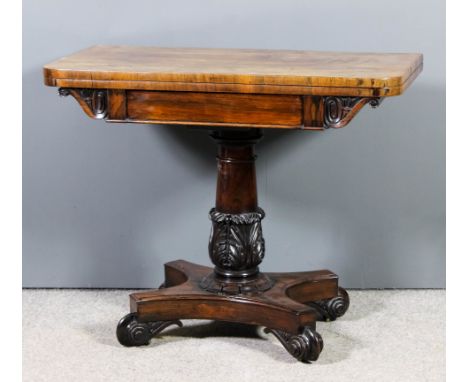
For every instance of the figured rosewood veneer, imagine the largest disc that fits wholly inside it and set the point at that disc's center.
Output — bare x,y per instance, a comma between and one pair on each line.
233,88
236,92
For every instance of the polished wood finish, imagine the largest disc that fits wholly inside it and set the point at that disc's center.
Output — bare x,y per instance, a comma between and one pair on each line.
286,304
117,104
236,190
220,108
239,88
236,71
236,246
286,309
275,309
237,93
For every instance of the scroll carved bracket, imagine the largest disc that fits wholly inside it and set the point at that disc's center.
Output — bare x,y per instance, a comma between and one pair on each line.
331,309
131,332
339,111
93,101
305,346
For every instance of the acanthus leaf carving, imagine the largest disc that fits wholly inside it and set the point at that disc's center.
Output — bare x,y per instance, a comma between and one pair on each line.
236,240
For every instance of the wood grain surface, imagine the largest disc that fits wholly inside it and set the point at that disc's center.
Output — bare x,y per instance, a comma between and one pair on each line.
236,70
188,107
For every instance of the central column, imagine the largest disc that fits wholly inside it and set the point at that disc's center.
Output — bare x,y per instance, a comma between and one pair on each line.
236,245
236,191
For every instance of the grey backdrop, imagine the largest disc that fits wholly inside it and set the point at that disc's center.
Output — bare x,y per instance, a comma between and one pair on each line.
107,205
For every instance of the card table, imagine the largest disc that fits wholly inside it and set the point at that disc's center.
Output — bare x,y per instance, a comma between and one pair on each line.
236,93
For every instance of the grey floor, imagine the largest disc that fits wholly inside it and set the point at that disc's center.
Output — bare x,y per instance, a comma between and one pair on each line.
69,335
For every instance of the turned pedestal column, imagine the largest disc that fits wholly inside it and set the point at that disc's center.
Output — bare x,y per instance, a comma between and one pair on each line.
236,246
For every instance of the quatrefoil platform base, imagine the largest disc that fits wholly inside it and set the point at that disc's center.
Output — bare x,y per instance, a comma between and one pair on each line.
289,308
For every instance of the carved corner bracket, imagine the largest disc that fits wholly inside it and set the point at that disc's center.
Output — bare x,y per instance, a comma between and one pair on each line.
93,101
339,111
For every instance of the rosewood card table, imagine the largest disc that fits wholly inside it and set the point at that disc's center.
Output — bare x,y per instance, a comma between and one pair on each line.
236,93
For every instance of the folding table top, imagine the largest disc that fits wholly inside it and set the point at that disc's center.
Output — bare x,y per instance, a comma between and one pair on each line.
236,70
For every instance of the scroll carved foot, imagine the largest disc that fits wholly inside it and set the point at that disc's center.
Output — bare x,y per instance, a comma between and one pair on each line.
331,309
305,346
130,332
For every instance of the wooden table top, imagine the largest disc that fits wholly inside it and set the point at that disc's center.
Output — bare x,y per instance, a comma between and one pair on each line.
236,71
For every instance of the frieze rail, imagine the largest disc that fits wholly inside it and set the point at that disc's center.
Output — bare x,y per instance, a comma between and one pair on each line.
336,112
